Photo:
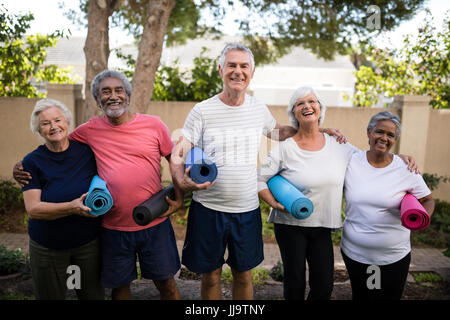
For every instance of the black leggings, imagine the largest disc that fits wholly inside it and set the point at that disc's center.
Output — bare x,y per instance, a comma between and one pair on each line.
301,244
392,279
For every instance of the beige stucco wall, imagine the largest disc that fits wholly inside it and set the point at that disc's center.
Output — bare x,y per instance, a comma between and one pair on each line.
438,149
431,148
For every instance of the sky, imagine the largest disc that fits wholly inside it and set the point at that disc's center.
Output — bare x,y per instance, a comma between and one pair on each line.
48,18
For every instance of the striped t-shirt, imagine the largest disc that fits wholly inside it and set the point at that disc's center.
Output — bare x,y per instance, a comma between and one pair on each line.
230,136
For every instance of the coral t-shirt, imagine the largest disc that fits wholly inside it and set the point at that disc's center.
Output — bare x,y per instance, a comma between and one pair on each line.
129,160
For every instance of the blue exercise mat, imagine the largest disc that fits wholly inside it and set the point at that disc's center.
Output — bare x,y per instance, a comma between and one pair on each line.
99,198
203,169
299,206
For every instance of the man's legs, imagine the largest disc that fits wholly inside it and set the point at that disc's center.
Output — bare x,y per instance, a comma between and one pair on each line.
242,285
167,289
121,293
211,287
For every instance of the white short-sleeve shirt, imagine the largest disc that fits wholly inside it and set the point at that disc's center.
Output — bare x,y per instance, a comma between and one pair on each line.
372,232
230,136
319,175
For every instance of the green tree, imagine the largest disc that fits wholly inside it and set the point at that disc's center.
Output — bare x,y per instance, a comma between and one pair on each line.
174,84
270,28
420,67
22,57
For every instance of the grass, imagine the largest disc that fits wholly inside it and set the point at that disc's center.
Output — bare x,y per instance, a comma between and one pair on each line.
426,277
259,275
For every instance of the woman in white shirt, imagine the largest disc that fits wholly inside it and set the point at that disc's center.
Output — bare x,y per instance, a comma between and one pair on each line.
315,163
375,183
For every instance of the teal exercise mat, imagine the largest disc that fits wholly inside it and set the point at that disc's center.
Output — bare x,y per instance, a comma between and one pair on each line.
293,200
154,207
202,168
99,198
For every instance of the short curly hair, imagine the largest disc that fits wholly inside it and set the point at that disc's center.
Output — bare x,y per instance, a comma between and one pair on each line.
95,85
44,104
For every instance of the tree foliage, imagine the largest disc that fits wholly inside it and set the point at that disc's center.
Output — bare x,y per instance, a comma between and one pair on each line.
420,67
22,57
269,28
172,83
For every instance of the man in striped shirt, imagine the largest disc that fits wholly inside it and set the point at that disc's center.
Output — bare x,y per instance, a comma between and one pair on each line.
225,213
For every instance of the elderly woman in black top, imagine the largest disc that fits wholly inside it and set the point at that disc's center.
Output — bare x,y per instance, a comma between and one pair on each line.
62,231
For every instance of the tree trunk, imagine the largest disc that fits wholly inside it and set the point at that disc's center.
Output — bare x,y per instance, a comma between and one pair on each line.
150,50
96,48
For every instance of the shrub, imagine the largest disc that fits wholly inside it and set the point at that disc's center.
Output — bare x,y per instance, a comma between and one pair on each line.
421,277
277,272
258,275
11,261
11,196
438,232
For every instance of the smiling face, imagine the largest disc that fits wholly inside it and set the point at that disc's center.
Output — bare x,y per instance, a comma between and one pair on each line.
237,71
383,136
53,126
113,99
307,109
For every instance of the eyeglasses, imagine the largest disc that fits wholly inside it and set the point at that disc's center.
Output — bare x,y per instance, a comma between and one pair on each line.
311,102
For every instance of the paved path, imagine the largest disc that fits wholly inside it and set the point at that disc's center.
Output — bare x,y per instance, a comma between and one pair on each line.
422,259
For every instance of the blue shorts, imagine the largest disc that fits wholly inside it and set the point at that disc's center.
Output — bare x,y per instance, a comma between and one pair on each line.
209,232
155,247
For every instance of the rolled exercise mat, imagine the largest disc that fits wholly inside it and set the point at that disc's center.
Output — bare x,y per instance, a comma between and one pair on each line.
203,169
99,198
413,214
154,207
299,206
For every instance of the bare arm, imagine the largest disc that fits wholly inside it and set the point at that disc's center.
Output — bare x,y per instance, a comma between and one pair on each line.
281,132
22,177
180,176
38,209
428,203
268,197
411,162
174,205
335,133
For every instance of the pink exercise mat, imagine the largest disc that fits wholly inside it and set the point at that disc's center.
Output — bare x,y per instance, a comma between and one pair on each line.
413,214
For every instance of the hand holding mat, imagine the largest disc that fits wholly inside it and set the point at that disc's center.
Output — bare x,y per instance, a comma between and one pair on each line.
413,214
202,168
154,207
99,198
299,206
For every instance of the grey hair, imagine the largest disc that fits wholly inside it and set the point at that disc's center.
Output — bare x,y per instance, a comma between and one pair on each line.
301,93
385,115
236,46
95,85
44,104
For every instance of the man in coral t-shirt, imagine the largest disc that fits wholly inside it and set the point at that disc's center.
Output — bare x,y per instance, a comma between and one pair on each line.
128,149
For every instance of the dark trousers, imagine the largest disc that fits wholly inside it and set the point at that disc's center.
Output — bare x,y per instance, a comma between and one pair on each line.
301,244
49,271
392,279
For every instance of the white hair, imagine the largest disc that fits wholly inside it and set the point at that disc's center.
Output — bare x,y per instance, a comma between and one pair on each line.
301,93
44,104
236,46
